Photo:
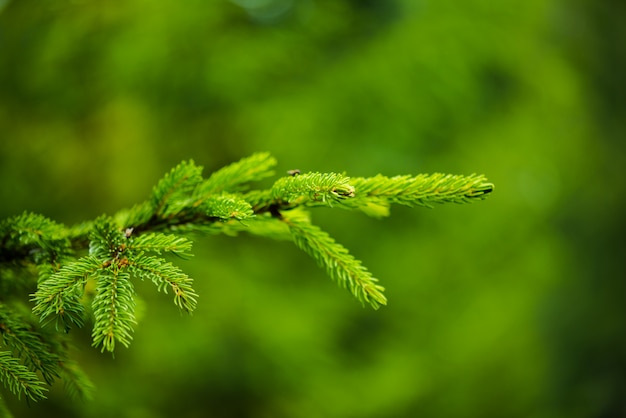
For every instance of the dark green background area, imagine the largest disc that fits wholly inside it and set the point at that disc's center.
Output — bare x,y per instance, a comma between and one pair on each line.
512,307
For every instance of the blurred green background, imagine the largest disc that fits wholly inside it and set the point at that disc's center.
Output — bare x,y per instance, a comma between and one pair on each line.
512,307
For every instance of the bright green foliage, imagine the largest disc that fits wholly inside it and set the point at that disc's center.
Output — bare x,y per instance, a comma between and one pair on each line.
59,293
112,252
234,177
312,188
28,345
19,379
114,256
422,190
172,192
27,352
34,237
113,309
227,206
179,246
309,189
337,262
166,276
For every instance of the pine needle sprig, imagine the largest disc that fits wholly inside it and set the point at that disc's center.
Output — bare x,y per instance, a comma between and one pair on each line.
313,188
235,176
58,296
18,379
227,206
115,256
106,239
307,189
183,201
28,344
337,261
421,190
166,276
174,191
113,310
139,215
122,256
159,242
33,237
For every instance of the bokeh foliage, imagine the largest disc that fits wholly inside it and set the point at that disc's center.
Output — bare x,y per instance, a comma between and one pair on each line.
514,307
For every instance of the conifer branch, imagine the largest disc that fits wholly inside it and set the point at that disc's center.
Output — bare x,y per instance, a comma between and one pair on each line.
28,344
312,188
58,295
337,261
112,251
106,239
182,200
266,225
113,310
41,352
421,190
165,275
235,176
309,189
32,237
228,206
18,379
158,243
114,255
141,217
173,191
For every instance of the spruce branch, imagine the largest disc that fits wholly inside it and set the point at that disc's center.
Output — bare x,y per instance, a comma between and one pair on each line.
312,189
106,239
337,261
421,190
266,225
18,379
40,351
228,206
308,189
58,296
112,251
235,176
28,344
32,237
165,275
139,215
158,243
183,202
115,256
173,191
113,310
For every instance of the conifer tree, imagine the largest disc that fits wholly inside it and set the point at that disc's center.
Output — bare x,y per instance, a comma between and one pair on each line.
45,267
